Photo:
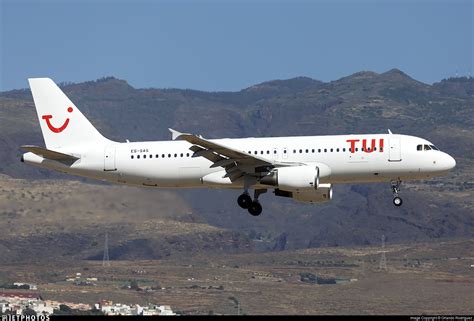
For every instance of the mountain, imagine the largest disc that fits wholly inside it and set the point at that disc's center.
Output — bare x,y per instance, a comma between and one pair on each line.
365,102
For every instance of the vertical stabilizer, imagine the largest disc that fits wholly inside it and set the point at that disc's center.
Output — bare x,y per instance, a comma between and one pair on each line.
62,124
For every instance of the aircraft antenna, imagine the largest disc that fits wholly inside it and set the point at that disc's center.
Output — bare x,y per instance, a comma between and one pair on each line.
383,258
105,260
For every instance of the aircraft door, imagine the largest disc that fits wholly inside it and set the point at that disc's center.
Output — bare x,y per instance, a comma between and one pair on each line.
395,150
109,158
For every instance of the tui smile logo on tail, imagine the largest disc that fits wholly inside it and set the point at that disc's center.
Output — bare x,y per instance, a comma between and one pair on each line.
56,129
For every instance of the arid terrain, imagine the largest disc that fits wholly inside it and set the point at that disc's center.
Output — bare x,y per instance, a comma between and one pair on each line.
54,229
364,102
202,254
434,278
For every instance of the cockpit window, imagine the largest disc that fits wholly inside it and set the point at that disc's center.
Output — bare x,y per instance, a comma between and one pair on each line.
426,147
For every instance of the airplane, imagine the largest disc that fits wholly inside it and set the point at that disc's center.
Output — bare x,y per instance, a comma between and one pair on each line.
303,168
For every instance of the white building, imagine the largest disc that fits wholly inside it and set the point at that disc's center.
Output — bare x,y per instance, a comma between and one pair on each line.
136,310
165,310
108,308
4,306
41,307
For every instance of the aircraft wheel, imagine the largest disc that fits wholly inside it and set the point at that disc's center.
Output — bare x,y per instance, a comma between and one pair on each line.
397,201
244,201
255,209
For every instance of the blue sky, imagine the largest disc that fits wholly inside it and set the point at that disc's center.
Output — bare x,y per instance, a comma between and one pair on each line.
230,45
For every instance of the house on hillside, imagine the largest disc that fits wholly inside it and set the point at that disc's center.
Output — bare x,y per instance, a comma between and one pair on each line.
41,307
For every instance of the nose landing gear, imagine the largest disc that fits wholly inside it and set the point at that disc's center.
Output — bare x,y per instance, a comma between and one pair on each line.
397,201
246,202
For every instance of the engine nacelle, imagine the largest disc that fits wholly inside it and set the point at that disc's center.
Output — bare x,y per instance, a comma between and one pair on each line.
296,178
322,194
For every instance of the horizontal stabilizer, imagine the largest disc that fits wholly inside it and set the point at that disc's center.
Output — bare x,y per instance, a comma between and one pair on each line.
49,154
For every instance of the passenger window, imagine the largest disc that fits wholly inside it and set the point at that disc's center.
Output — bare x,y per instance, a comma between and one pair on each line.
419,147
181,155
307,151
375,149
261,152
301,151
157,156
144,156
138,156
357,149
325,150
284,151
343,149
187,154
151,156
162,155
275,151
132,156
169,155
312,151
255,152
319,150
331,150
268,152
337,150
294,151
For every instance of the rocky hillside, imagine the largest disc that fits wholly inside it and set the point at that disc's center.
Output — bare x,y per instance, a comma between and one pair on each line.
46,219
365,102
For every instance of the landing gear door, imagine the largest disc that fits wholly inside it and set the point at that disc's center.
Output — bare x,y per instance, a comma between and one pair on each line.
395,154
109,158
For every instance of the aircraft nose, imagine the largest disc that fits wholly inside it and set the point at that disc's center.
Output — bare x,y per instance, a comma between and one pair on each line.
449,162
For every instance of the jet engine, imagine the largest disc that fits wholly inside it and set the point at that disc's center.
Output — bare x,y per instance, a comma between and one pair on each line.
296,178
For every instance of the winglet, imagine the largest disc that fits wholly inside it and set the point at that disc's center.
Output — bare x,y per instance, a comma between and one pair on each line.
389,131
174,134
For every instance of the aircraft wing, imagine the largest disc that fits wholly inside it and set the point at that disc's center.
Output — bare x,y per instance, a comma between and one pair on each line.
236,163
50,154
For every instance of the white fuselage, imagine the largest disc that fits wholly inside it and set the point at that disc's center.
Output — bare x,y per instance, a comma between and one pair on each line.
169,164
302,168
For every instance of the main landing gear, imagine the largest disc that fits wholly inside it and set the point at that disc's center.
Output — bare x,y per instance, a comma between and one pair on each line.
253,206
397,201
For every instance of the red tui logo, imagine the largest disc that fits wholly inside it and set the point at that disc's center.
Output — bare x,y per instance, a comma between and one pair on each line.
364,145
56,129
